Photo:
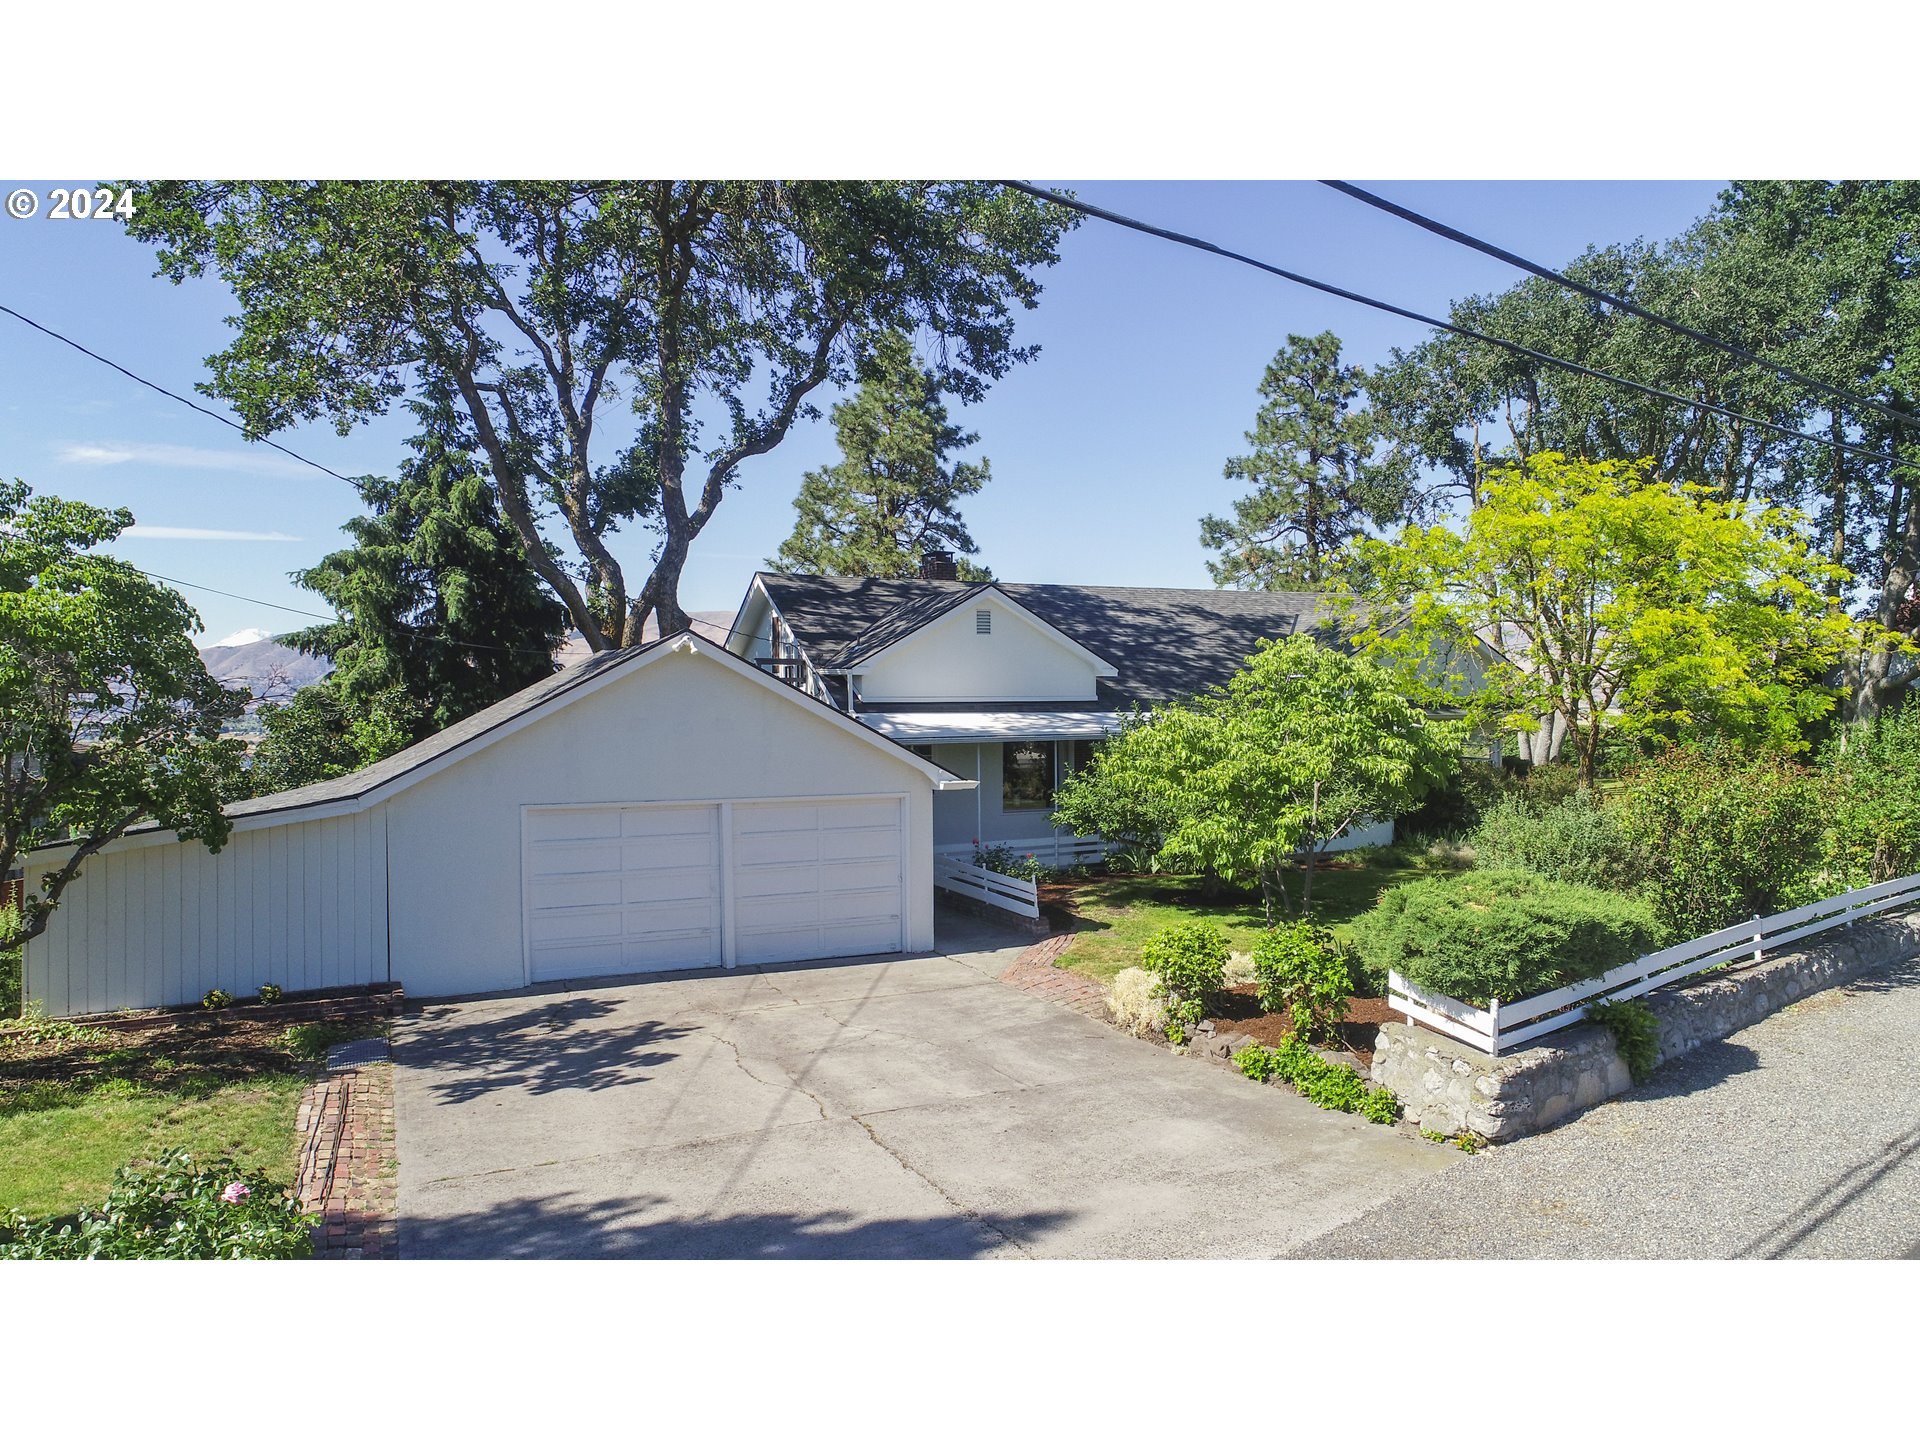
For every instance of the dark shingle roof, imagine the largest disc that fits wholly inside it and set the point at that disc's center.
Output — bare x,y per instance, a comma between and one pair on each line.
1165,643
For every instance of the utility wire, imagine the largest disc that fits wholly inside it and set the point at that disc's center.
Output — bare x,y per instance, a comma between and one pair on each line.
1460,237
228,421
1194,242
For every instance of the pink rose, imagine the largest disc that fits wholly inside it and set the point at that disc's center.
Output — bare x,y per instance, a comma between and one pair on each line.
235,1193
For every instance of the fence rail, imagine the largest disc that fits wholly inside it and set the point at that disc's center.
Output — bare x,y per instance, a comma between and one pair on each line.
989,887
1499,1027
1059,851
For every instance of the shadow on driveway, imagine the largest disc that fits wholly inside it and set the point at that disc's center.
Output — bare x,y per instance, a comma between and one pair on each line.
543,1050
560,1228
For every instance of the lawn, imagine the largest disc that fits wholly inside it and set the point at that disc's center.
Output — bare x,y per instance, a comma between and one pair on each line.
72,1112
1114,915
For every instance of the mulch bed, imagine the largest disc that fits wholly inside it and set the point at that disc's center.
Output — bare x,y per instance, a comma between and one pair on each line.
184,1053
357,1002
1238,1010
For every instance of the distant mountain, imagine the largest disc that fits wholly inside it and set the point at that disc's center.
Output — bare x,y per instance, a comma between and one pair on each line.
256,660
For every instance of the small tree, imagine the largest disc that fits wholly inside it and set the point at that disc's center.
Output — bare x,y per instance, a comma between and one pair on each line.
1284,759
107,715
1611,599
895,491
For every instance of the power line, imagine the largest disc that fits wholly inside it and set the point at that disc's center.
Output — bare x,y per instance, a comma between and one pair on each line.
228,421
1194,242
1460,237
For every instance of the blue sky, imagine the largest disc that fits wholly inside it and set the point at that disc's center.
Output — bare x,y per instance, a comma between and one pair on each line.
1106,449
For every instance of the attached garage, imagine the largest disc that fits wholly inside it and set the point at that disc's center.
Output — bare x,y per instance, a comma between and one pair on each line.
667,808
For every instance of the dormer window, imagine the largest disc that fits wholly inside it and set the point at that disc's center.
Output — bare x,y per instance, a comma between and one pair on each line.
983,622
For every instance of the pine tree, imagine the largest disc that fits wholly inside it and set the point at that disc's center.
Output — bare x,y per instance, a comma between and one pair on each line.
1320,469
894,492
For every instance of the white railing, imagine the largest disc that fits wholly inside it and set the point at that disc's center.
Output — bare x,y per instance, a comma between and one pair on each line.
1501,1027
1059,851
989,887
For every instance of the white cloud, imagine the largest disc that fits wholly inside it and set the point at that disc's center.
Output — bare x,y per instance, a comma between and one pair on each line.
188,532
254,460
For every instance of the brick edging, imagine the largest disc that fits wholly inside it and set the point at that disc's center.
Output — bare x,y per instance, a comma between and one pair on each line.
1034,971
383,1001
346,1177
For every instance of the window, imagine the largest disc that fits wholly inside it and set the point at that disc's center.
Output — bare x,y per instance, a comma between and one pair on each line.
983,622
1075,756
1026,775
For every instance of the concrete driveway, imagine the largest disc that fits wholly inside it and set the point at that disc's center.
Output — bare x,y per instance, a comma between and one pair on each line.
895,1107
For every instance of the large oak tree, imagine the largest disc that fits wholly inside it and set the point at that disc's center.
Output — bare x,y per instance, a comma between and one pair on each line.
717,309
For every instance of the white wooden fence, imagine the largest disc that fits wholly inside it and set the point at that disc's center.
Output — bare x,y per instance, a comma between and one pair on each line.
1059,851
1501,1027
990,887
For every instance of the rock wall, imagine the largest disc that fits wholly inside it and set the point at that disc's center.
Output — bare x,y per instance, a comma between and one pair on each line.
1450,1087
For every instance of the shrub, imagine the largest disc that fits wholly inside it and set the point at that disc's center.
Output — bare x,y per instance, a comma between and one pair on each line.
271,994
1475,788
1501,934
1190,957
1636,1034
1725,837
1302,972
216,1000
1873,776
1137,1002
1330,1086
174,1209
1574,839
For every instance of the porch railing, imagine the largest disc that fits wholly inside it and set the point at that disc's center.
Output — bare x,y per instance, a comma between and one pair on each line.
989,887
1503,1027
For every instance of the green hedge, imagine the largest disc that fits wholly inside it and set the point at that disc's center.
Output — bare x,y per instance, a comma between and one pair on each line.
1501,934
1575,839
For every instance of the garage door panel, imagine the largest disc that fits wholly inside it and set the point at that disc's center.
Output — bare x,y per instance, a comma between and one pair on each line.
621,888
562,892
573,823
626,888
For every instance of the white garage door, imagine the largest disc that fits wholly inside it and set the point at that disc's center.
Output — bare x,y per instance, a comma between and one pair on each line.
816,880
619,889
615,889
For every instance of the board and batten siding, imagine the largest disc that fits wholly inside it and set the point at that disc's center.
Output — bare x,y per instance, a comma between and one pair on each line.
302,906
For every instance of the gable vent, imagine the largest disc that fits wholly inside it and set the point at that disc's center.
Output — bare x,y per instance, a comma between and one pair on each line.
983,622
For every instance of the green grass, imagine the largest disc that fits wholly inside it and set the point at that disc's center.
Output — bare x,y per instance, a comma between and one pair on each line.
72,1112
1116,914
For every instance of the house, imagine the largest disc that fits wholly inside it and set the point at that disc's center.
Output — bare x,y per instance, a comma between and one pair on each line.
1009,685
662,808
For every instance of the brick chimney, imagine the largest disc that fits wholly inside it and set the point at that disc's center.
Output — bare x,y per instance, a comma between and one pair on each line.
938,565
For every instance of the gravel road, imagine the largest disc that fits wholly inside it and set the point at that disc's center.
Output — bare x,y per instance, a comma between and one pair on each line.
1795,1137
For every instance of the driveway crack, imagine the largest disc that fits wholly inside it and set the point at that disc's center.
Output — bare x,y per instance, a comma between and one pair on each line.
934,1185
791,1085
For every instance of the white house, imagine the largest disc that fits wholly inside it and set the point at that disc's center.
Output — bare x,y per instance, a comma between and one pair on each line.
1009,685
667,807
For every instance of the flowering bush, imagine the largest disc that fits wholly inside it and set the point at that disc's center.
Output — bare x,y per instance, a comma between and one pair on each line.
1002,860
171,1208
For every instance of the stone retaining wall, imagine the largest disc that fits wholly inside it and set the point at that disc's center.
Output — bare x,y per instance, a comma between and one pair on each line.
1451,1088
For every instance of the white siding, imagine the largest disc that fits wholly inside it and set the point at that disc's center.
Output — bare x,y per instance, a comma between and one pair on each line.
302,906
951,660
684,729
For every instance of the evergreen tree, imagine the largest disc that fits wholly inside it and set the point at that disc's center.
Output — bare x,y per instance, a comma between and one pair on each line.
894,492
1318,470
436,600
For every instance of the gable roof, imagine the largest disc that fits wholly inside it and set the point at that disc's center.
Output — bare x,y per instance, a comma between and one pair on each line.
1165,644
379,781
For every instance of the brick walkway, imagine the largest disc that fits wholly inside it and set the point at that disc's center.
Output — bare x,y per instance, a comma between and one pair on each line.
347,1162
1034,972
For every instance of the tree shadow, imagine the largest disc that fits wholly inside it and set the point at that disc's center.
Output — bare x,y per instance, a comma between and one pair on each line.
1899,975
543,1049
563,1228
